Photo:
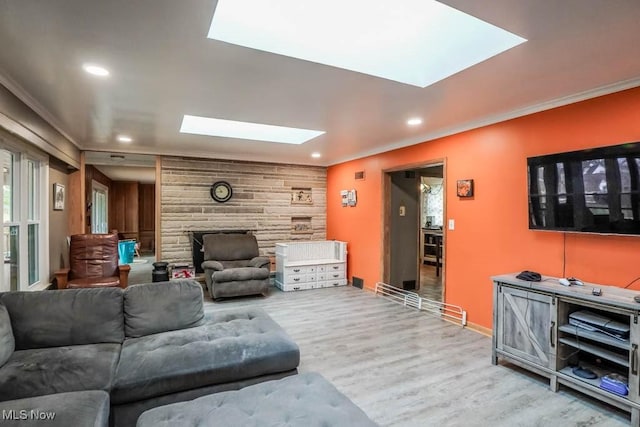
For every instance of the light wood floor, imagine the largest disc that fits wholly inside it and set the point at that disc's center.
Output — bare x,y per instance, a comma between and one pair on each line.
430,284
405,368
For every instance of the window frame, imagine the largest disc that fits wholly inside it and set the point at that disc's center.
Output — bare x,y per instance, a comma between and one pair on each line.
23,154
98,187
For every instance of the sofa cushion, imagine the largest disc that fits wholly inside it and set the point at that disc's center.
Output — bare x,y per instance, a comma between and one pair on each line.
65,317
232,345
260,262
162,306
212,265
237,263
242,287
7,342
87,409
37,372
239,274
300,400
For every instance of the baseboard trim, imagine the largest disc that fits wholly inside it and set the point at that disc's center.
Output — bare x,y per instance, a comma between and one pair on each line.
480,329
472,326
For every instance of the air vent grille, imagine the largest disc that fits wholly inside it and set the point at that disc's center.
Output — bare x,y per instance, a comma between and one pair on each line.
357,282
359,175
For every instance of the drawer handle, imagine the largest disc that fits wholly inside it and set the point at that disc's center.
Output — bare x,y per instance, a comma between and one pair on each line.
296,279
634,360
297,288
335,267
551,329
336,275
296,270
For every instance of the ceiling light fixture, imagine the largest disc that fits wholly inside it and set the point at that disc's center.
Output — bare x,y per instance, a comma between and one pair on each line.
246,130
124,138
95,70
417,42
415,121
315,155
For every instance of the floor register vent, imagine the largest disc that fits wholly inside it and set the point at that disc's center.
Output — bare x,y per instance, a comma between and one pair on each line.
449,312
357,282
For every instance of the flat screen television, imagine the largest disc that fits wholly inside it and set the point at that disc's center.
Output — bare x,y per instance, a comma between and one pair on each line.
593,191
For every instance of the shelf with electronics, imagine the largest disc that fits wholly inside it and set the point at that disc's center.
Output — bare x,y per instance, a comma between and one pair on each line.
570,335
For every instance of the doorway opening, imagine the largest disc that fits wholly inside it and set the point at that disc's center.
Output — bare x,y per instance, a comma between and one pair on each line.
121,198
431,249
414,240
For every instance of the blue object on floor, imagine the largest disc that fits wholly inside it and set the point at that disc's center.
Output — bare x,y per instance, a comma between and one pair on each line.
126,250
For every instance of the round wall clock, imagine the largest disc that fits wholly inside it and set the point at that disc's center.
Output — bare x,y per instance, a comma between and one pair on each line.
221,191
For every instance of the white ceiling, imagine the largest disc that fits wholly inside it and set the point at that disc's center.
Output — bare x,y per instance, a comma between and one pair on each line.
163,66
124,167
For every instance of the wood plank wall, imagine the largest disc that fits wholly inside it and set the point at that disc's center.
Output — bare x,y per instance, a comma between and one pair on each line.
147,217
123,208
261,202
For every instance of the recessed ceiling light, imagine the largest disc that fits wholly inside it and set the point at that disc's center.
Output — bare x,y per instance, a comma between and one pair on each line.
124,138
315,155
417,42
415,121
246,130
95,70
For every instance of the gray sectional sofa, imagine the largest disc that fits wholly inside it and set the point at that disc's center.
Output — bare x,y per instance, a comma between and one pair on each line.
146,346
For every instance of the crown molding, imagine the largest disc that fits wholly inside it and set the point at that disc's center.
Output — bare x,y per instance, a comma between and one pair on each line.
209,155
24,96
502,117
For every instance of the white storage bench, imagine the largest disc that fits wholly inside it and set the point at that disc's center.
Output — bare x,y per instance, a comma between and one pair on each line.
311,265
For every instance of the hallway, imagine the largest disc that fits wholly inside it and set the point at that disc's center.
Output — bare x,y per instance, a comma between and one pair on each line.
430,284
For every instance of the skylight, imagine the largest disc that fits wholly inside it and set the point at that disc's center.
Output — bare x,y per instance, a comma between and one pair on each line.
245,130
417,42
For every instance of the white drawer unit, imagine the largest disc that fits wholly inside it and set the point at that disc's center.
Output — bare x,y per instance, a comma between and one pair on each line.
310,265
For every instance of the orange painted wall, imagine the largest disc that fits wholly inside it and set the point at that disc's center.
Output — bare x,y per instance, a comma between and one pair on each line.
491,235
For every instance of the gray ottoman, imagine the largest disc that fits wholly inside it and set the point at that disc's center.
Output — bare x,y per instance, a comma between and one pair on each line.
306,400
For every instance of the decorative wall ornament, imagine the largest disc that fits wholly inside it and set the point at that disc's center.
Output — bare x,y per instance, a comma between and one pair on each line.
465,188
348,198
221,191
58,197
301,196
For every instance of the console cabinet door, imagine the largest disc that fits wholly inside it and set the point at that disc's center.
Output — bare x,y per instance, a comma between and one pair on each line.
527,326
634,362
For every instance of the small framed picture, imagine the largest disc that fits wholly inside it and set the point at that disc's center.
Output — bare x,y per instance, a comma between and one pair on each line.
58,197
465,188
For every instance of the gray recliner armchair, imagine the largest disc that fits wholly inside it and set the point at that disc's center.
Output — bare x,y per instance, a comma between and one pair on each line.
232,265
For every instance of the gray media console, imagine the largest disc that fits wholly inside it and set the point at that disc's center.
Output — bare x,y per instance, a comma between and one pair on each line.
534,327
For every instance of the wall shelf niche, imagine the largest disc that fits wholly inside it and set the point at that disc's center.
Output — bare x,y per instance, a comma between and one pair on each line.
301,225
301,196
